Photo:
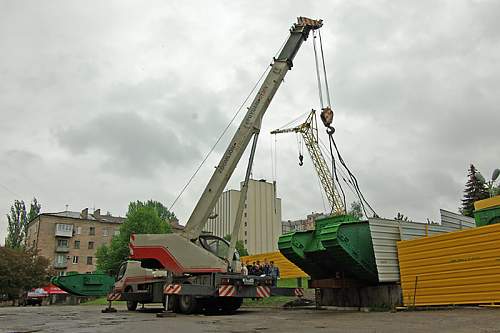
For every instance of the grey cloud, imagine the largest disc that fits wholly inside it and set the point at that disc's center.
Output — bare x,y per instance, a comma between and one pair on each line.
198,115
128,143
134,89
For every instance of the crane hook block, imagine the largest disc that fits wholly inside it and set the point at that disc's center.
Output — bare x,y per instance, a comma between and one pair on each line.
327,116
301,159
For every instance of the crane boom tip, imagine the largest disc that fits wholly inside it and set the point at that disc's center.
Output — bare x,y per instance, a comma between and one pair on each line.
311,23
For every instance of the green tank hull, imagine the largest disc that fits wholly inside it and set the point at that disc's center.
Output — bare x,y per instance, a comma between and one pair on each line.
339,246
96,284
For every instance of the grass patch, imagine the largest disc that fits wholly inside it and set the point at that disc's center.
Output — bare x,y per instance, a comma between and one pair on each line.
273,301
101,301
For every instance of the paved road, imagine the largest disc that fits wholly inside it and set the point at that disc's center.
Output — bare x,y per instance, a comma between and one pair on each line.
90,319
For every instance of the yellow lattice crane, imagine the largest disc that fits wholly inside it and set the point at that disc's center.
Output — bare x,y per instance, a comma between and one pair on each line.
309,132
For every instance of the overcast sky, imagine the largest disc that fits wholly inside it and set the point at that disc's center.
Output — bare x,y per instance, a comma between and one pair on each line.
106,102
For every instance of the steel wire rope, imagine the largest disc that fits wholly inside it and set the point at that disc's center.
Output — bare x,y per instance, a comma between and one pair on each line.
294,120
272,159
317,71
275,158
353,178
324,70
268,68
330,131
344,176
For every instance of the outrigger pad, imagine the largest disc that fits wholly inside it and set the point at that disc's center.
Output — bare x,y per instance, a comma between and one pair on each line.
108,310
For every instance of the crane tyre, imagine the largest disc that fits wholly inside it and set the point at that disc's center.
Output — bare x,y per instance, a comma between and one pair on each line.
131,305
173,303
231,305
188,304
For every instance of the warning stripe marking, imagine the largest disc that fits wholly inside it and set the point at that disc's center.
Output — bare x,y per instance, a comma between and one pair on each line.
227,290
114,297
299,292
263,291
172,289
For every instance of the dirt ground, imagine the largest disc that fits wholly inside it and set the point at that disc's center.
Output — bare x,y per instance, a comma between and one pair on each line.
90,319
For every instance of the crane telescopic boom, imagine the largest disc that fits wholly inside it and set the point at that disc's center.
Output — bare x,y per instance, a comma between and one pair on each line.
249,126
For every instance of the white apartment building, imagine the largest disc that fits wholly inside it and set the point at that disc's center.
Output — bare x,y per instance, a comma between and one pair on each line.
261,221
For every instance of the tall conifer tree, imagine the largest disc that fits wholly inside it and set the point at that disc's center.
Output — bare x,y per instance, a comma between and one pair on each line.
475,189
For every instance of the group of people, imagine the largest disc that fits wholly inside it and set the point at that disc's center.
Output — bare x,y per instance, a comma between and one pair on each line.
267,269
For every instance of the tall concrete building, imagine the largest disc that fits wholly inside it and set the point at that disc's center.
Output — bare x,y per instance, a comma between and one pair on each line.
70,239
261,221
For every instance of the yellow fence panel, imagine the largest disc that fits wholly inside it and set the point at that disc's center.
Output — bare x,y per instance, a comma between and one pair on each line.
287,268
460,267
487,203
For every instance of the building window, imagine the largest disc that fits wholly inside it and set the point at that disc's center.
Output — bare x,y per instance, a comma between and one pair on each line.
91,245
105,232
246,224
92,231
245,241
60,259
245,233
61,273
89,260
77,244
75,259
78,230
62,243
117,232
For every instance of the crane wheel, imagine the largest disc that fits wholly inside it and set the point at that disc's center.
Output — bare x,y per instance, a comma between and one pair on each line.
131,305
173,303
188,304
231,305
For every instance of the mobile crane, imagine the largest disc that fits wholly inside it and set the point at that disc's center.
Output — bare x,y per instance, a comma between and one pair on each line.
204,270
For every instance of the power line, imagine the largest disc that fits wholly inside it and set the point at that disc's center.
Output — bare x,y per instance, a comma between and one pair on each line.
10,191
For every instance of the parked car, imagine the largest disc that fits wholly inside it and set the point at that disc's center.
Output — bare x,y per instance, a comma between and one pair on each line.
34,297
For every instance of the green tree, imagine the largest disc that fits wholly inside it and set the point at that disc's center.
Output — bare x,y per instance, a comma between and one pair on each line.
356,210
35,208
142,218
240,247
18,221
475,189
161,210
22,270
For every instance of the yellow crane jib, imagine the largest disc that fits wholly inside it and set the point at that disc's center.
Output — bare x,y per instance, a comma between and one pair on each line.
309,132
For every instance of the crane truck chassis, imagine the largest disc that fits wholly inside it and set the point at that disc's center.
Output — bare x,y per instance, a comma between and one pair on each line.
204,270
214,292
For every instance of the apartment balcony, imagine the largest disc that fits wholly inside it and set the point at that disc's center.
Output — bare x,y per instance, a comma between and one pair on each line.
60,264
64,230
62,249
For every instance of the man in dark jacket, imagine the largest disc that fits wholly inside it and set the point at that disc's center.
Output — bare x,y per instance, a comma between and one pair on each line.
275,273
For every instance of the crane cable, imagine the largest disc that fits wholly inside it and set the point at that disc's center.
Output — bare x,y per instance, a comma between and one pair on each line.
324,70
330,130
344,175
351,175
317,70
